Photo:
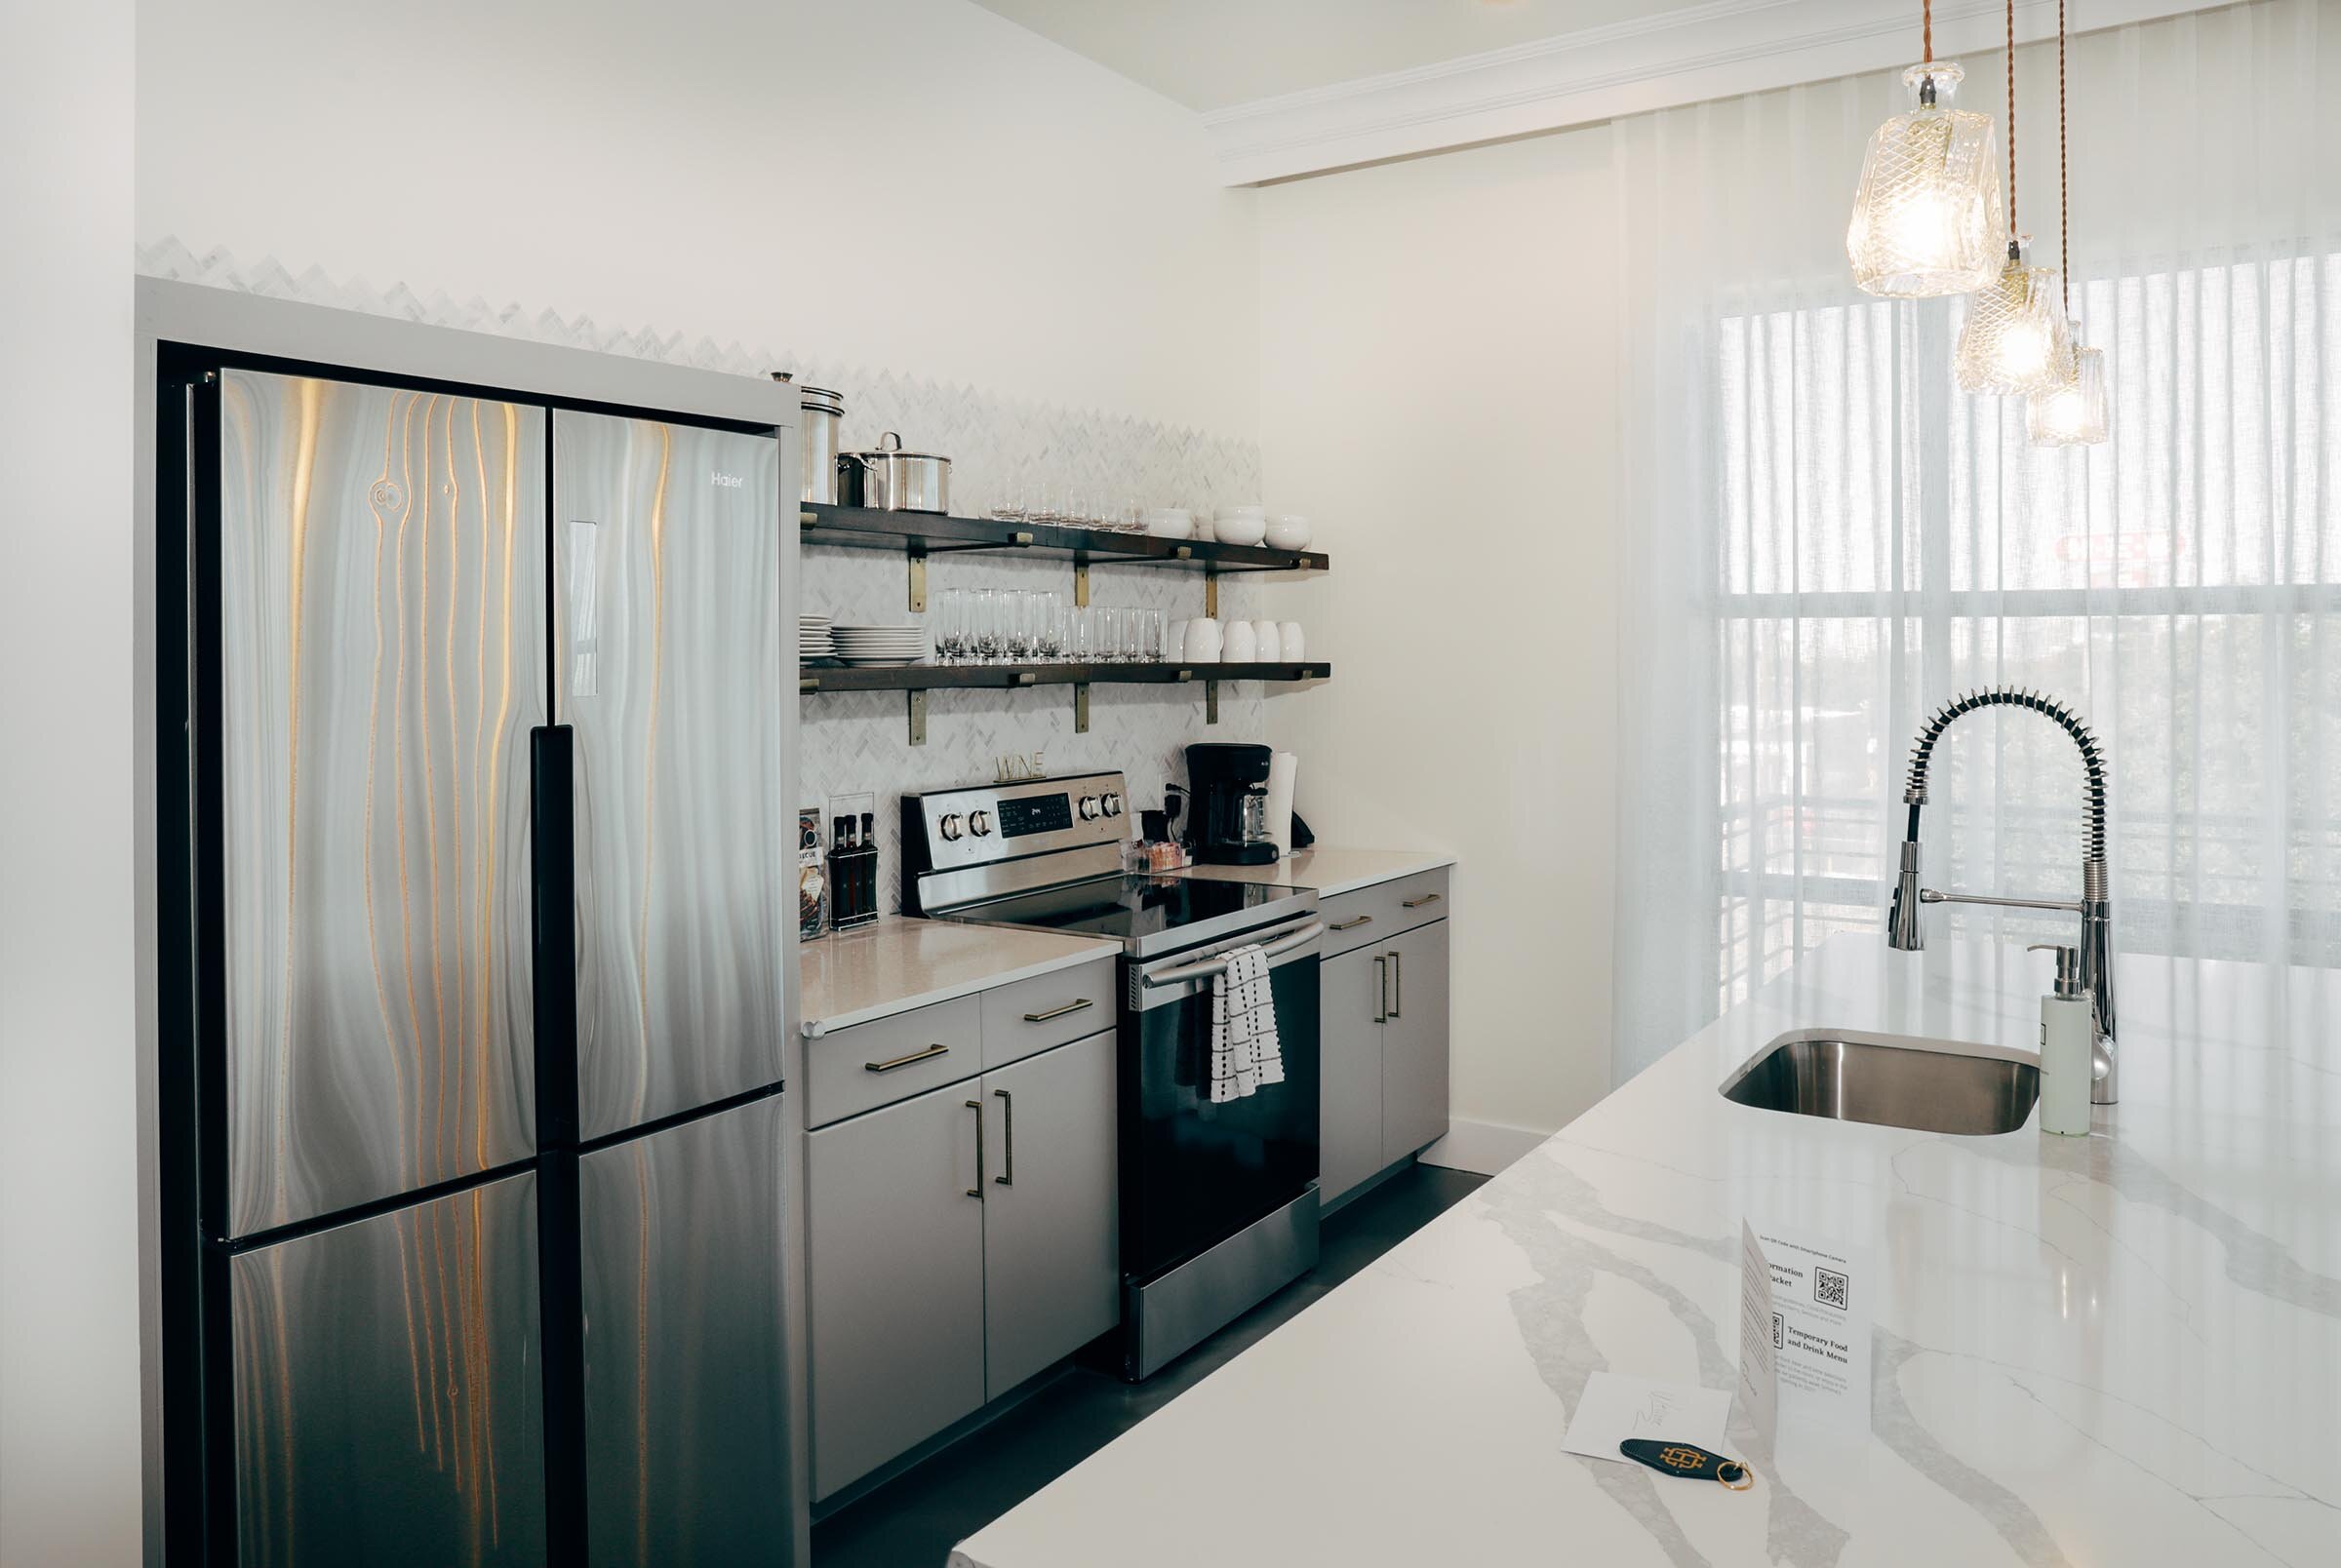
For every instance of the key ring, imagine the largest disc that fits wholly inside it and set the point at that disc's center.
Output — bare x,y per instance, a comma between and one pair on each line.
1747,1477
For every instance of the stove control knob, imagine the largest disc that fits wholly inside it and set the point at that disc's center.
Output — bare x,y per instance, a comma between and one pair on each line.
1112,803
950,825
979,823
1089,809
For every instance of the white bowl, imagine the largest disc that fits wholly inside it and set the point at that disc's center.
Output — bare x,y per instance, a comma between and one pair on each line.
1203,642
1290,532
1170,523
1242,645
1240,530
1265,638
1289,638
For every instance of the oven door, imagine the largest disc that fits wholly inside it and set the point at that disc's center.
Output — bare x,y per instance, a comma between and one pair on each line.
1194,1172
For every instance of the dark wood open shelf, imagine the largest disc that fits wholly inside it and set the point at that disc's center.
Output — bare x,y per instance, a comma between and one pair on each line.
1009,677
859,528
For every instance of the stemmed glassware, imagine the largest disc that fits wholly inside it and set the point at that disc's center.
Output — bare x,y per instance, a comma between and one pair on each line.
1020,625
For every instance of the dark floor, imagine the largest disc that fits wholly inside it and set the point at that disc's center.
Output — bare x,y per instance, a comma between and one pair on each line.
914,1520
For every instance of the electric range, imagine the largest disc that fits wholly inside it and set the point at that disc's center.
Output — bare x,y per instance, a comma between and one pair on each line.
1218,1199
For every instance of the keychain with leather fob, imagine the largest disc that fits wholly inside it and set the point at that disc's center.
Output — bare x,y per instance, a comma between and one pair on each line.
1689,1461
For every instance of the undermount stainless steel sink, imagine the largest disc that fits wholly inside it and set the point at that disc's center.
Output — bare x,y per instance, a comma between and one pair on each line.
1932,1087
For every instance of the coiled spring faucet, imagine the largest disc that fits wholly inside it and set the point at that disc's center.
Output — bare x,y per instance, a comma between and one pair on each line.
2094,906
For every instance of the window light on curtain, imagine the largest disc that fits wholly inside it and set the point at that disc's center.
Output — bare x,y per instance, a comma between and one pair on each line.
1826,539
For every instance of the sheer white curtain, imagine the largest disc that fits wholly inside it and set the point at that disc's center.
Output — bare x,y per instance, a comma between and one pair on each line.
1825,539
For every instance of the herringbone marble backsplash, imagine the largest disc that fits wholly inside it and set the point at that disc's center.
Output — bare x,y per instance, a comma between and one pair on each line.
852,743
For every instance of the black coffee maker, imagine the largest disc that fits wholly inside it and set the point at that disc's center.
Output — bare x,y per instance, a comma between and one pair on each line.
1229,785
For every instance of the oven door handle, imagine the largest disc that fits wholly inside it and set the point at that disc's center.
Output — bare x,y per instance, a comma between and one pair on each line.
1211,968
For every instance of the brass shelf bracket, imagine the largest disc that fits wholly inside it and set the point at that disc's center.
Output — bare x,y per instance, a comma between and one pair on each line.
917,707
1081,707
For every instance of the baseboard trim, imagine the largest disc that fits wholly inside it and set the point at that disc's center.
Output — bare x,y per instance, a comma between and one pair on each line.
1484,1147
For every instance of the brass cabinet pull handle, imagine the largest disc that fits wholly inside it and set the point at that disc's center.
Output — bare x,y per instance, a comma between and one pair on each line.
977,1191
1398,982
1008,1121
1073,1007
1417,903
1351,926
904,1061
1381,987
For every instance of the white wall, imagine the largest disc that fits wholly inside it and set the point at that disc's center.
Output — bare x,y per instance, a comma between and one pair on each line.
69,1483
1438,354
910,184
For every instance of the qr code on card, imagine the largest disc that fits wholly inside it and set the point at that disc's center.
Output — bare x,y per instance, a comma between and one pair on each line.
1829,1288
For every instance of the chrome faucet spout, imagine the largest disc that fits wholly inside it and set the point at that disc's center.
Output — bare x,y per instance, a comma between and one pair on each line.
1903,929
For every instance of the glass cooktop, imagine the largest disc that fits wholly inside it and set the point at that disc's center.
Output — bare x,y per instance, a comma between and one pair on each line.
1146,914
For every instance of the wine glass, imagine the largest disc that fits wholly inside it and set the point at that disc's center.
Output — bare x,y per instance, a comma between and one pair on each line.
984,622
944,623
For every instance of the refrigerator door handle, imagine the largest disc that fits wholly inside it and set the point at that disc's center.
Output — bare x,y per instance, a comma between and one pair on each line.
553,895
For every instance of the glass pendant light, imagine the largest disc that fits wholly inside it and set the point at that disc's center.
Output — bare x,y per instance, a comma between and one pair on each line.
2071,414
2015,340
1926,215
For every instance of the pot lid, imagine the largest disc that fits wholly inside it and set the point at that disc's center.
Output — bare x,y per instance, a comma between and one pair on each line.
889,444
821,397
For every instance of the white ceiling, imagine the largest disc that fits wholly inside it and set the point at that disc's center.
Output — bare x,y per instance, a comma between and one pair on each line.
1212,54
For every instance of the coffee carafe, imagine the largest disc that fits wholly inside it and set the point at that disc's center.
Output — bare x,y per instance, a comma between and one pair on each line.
1229,786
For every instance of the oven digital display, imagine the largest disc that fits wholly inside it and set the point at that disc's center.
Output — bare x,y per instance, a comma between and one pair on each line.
1035,813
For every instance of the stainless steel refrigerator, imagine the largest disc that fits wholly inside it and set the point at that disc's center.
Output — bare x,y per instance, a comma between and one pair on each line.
480,986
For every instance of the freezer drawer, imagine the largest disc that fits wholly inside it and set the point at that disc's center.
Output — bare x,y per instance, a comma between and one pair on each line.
686,1449
382,610
387,1377
667,570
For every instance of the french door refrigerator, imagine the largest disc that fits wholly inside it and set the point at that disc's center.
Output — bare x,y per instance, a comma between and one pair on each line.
477,955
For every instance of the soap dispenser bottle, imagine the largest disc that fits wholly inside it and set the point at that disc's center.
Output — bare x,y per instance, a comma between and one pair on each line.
2068,1042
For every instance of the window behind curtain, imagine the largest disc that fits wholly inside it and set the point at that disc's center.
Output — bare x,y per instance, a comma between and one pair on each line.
1887,542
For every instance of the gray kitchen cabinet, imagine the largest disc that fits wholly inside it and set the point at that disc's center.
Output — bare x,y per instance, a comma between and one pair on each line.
895,1279
1051,1254
1383,1091
1414,1091
1349,1096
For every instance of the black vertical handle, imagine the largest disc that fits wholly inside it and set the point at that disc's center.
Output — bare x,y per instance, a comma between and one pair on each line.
553,842
560,1257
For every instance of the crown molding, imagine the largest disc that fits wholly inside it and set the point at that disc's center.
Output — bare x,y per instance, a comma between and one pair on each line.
1719,49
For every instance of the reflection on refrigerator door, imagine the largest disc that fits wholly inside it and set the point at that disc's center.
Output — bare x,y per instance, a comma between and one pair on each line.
667,571
686,1449
388,1388
381,612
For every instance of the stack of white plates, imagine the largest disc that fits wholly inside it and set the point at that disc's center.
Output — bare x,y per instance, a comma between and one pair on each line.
813,639
878,645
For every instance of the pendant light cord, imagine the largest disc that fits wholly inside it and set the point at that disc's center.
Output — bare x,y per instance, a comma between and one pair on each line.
2064,173
1926,30
2011,127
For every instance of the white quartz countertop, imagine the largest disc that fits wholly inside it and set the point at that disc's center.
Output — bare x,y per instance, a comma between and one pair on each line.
1330,871
2116,1349
851,977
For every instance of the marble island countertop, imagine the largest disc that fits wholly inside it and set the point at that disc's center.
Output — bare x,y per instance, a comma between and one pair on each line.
2116,1349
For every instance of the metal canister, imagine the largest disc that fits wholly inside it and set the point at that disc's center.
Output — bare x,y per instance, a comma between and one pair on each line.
822,412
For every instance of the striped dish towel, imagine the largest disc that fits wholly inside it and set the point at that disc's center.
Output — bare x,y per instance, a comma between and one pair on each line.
1246,1056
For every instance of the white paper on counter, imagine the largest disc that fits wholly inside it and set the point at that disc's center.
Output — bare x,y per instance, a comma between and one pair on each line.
1615,1407
1804,1329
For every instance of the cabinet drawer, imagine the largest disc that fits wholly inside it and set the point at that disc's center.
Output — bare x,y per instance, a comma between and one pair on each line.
1352,921
1375,914
874,1063
1048,1009
1415,900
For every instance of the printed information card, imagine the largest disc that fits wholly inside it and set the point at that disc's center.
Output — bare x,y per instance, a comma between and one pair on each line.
1804,1329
